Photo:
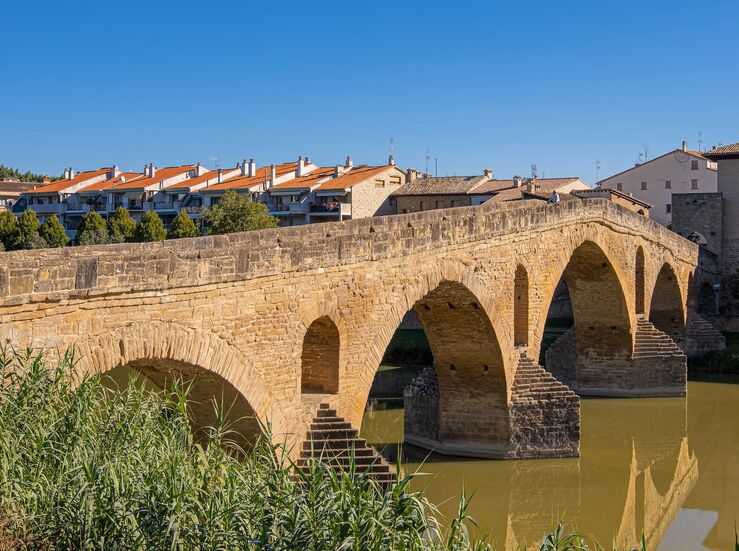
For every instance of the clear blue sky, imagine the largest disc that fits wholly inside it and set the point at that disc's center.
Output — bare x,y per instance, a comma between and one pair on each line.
481,84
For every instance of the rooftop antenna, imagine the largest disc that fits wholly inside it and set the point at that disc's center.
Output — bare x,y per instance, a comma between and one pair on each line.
646,152
427,161
436,166
216,162
390,146
533,172
597,171
700,140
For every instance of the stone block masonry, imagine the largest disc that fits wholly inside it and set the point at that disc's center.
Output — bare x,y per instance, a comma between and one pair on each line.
239,308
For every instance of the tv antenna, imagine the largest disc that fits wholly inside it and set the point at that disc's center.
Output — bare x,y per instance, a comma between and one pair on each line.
216,162
390,146
428,157
700,140
534,172
597,171
436,166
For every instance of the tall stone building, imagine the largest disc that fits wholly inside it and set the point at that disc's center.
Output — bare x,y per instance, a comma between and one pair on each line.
727,159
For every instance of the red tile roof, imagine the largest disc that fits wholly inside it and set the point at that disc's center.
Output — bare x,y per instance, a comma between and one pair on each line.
261,175
159,175
61,185
308,181
210,175
353,177
723,151
544,186
112,182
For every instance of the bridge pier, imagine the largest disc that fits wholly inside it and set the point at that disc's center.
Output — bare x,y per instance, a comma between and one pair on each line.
543,418
657,367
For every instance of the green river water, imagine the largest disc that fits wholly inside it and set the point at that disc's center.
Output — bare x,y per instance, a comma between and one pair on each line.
665,467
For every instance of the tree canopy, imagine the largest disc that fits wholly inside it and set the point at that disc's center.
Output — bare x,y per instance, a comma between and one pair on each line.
121,226
8,230
93,230
237,213
182,226
53,232
28,176
151,228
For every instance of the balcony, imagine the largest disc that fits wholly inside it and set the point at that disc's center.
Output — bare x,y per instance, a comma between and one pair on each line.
55,208
166,206
328,209
299,207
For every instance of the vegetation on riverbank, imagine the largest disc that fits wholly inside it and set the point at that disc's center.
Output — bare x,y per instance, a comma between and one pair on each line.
726,361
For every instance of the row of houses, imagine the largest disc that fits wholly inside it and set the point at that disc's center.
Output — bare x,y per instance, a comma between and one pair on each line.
295,192
299,192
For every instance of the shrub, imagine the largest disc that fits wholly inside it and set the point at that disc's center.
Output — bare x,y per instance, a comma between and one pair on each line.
121,226
237,213
53,232
182,226
8,229
151,228
93,230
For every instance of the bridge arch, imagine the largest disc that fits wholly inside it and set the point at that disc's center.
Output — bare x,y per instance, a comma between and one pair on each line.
666,310
165,351
322,353
464,407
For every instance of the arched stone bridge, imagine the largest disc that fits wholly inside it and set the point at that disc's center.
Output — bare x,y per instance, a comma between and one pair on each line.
277,321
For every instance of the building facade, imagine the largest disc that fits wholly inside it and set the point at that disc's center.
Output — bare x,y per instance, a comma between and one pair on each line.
680,171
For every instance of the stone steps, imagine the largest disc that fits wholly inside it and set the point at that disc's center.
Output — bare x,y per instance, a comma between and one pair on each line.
650,342
334,442
534,383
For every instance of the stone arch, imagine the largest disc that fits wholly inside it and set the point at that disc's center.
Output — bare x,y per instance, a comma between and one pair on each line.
521,307
639,281
215,369
320,358
666,310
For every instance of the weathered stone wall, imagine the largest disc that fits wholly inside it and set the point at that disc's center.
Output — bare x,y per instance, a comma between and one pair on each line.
240,305
702,213
412,203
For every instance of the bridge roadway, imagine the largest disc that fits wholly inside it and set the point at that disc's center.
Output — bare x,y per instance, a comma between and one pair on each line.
278,321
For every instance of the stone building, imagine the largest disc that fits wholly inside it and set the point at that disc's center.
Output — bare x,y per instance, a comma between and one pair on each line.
656,181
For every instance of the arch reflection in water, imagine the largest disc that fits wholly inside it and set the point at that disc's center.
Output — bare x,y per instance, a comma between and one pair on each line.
635,473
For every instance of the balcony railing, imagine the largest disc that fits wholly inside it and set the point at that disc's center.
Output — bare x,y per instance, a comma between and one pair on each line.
345,209
167,205
53,207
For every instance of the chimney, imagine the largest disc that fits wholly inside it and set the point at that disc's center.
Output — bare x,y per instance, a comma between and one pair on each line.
488,173
68,173
152,170
516,181
348,163
252,168
197,170
531,185
685,145
272,175
411,174
299,169
307,161
337,171
391,160
115,171
244,168
220,175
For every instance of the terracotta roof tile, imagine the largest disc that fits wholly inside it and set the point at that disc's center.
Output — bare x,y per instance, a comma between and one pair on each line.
61,185
159,175
210,175
724,150
308,181
544,186
353,177
448,185
260,176
111,182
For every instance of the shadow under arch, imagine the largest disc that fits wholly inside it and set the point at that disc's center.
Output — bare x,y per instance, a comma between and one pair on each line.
602,331
639,264
166,352
666,310
459,407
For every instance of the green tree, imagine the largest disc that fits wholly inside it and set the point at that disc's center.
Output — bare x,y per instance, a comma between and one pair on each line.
93,230
121,226
28,231
151,228
53,232
236,213
8,230
182,226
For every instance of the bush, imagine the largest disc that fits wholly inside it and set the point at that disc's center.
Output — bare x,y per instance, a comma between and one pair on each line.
93,230
121,226
182,226
237,213
92,468
8,229
151,228
53,233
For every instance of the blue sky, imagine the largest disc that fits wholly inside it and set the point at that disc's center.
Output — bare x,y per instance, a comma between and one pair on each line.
481,84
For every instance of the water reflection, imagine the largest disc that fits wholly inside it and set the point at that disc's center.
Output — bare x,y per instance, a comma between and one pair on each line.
642,461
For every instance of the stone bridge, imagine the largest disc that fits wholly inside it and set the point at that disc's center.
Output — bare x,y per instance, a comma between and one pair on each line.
277,321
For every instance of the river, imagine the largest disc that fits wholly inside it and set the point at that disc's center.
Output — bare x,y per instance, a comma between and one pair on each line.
667,467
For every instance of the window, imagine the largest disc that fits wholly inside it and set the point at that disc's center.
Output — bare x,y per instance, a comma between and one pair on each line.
693,184
668,184
668,208
439,205
693,165
424,205
619,186
644,185
395,180
379,183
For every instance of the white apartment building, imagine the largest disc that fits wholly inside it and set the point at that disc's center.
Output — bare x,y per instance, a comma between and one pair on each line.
679,171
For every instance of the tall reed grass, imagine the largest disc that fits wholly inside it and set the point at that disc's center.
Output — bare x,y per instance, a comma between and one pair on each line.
86,467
